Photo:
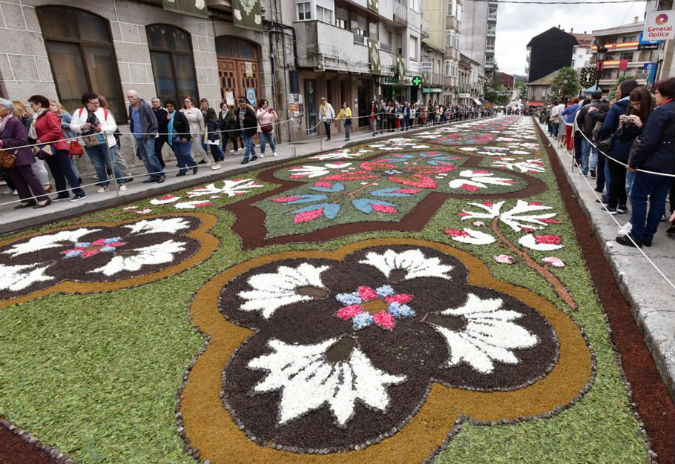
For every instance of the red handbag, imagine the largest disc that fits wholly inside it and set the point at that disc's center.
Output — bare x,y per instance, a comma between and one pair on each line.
76,149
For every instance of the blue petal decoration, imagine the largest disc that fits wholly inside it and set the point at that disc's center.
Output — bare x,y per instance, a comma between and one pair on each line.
337,187
362,320
330,210
385,290
389,192
363,205
401,310
348,298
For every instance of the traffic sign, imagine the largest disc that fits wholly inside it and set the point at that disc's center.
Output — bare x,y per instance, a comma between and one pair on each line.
417,81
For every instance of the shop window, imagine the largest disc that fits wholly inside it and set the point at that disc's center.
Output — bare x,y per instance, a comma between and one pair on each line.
172,63
81,56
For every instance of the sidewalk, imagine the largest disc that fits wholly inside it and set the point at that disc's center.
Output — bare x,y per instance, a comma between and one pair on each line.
14,220
651,298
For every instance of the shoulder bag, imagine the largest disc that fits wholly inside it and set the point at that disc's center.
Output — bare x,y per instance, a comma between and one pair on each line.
7,159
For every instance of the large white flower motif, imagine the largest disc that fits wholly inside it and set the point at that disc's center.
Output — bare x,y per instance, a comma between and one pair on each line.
397,143
522,215
309,171
158,253
489,336
513,164
413,262
340,154
308,379
44,242
165,200
159,225
271,291
194,204
15,278
230,188
473,180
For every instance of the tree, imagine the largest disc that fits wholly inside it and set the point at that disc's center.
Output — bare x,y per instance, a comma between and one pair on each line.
565,83
495,91
621,79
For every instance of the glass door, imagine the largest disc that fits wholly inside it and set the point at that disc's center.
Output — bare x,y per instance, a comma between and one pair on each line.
311,106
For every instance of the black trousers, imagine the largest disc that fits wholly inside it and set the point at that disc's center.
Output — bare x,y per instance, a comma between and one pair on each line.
159,144
617,184
59,165
227,136
327,126
600,173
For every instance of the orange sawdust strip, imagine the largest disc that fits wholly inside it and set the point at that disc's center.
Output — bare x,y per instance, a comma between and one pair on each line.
211,431
208,244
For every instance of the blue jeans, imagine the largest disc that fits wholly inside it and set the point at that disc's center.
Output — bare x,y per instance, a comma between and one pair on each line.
250,147
99,158
585,152
630,176
269,137
146,148
183,156
347,128
62,169
656,189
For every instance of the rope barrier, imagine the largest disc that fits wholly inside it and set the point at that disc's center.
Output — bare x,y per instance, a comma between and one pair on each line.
114,180
599,200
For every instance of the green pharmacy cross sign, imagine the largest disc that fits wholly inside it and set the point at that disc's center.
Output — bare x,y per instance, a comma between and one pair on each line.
417,81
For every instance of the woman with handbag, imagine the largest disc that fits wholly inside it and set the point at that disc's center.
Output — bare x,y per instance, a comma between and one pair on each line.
74,147
24,115
229,127
619,147
18,162
47,130
180,139
266,118
197,127
346,115
641,106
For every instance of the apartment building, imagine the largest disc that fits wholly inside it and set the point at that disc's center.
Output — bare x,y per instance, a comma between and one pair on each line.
479,30
624,55
355,51
581,54
548,52
445,19
471,82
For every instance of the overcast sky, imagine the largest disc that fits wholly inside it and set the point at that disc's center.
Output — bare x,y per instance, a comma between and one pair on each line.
518,23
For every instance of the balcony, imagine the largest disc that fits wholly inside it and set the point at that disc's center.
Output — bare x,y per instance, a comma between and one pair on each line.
360,39
491,33
387,63
492,16
434,79
451,23
330,47
400,12
412,68
424,28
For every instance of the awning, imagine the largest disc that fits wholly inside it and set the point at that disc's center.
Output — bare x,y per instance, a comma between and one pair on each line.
431,90
535,103
477,101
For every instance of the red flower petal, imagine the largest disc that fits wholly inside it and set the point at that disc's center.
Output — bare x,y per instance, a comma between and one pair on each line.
347,312
308,215
384,208
470,188
456,233
416,180
400,298
408,190
550,221
286,199
535,203
488,204
323,184
384,320
548,239
367,293
527,229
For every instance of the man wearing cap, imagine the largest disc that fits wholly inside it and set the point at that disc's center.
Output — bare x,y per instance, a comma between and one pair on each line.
326,113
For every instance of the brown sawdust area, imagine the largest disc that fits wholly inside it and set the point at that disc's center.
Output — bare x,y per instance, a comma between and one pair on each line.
653,402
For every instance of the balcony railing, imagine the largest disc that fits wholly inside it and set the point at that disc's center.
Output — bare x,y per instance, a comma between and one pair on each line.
360,39
385,47
400,12
424,28
492,16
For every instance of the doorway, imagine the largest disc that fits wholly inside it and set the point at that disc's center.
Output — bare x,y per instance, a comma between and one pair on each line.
238,67
365,103
310,106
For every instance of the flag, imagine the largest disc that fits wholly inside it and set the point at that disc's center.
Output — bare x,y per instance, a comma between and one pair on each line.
187,7
247,14
623,65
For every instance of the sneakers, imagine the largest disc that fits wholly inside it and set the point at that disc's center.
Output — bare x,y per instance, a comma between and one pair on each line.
621,209
195,169
612,211
122,188
262,155
593,173
216,166
275,154
62,197
78,197
625,240
254,157
102,189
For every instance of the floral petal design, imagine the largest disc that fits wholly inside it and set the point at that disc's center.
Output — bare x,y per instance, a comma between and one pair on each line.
413,262
159,253
230,188
160,225
44,242
308,379
15,278
272,291
490,335
541,242
554,261
471,236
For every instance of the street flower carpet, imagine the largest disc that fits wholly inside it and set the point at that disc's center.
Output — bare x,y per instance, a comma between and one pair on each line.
421,298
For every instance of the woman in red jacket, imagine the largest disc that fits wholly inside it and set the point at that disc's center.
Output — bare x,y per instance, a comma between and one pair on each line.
46,129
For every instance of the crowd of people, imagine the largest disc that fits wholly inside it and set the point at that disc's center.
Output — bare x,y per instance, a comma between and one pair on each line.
47,136
628,145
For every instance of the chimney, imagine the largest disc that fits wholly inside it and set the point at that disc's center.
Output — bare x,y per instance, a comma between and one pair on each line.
635,19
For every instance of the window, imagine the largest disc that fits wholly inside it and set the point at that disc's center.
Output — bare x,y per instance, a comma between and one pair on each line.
172,63
324,14
341,23
304,11
629,38
447,68
448,38
415,5
627,56
81,56
412,52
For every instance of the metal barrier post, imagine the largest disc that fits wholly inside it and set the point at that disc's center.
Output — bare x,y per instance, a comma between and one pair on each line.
292,132
110,163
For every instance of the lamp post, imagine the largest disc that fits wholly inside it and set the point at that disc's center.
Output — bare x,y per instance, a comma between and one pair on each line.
565,82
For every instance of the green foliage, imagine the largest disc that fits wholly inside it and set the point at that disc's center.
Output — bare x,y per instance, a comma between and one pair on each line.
565,83
612,91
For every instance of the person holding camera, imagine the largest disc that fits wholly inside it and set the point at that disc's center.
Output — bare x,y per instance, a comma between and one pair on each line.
96,127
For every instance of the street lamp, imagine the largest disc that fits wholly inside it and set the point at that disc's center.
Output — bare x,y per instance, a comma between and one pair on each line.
600,58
